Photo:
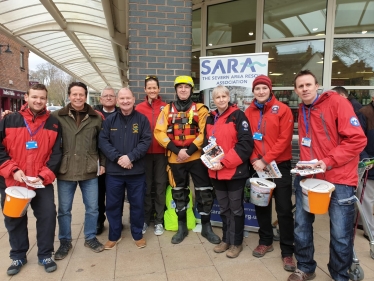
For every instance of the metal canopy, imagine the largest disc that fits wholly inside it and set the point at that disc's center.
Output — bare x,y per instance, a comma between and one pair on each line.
86,38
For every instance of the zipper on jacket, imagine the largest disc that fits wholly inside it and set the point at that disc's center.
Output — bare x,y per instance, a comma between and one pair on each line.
324,126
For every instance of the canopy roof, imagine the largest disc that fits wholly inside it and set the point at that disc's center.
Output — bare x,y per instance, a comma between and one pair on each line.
86,38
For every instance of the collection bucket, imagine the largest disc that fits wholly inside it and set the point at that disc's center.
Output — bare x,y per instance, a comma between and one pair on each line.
261,191
316,195
17,200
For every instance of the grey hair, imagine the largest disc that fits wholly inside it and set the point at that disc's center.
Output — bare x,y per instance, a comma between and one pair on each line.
108,88
128,89
220,89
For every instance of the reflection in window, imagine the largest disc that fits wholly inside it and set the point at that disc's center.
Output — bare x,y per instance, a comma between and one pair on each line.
353,62
245,49
288,58
196,29
195,70
354,17
231,22
294,18
362,96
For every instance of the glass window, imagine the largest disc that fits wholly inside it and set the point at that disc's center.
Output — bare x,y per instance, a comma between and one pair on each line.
353,62
22,60
231,22
288,58
362,96
196,29
231,50
294,18
195,70
354,17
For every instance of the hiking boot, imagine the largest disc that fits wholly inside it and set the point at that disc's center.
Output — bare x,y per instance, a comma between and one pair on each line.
234,251
181,233
221,247
109,245
15,266
49,264
99,228
140,243
207,232
159,229
144,230
94,245
261,250
63,250
289,264
299,275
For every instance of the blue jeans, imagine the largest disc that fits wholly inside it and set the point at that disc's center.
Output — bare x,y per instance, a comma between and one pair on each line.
341,211
66,191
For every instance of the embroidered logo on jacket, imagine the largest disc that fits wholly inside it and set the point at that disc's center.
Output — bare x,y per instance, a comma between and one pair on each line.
135,128
354,121
245,125
275,109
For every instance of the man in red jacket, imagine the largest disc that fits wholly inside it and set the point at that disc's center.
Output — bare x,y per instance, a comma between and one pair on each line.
330,132
155,158
30,145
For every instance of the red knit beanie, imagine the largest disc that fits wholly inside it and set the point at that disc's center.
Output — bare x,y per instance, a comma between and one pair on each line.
262,79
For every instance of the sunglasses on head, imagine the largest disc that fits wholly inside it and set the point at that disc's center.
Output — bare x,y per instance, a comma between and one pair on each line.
151,77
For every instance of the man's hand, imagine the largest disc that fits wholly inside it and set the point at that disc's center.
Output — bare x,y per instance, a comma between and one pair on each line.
258,165
129,166
19,175
102,170
124,161
319,164
217,166
5,113
182,155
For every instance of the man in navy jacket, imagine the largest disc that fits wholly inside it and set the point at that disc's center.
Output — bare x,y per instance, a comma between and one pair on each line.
124,139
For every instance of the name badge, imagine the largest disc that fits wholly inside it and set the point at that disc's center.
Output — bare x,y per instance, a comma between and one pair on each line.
306,141
31,145
212,139
257,136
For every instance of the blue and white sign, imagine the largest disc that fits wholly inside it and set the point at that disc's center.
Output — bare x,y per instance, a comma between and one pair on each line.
236,72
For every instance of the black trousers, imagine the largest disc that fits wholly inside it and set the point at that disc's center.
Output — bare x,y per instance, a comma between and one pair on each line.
44,209
155,173
203,189
230,195
101,199
283,206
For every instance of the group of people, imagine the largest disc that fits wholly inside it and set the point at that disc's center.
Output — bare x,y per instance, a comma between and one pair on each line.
109,150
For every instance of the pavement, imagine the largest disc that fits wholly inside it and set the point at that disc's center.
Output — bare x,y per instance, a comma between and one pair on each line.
193,259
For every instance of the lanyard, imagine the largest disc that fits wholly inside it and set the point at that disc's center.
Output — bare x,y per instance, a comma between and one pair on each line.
260,121
304,115
36,131
215,121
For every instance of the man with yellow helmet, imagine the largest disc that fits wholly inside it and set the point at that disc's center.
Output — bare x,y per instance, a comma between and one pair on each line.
180,129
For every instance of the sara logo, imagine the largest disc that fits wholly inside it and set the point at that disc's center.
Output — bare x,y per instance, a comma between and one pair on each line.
232,66
135,128
354,121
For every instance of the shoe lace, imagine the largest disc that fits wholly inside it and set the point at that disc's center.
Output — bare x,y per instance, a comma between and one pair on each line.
261,248
65,246
300,273
159,227
288,260
17,262
93,243
47,261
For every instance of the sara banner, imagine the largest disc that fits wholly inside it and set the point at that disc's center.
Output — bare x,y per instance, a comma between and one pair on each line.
236,72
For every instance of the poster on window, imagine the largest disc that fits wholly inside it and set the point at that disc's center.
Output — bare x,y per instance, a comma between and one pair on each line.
236,72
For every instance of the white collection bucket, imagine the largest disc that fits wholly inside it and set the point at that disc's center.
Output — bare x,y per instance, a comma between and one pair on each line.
17,200
261,191
316,195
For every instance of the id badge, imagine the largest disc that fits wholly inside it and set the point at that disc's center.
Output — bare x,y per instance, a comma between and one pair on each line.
306,141
31,145
257,136
212,139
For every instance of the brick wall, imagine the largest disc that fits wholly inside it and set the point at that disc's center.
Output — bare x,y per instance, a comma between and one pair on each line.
160,43
10,65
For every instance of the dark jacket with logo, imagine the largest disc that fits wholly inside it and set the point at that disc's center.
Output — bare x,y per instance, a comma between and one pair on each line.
366,117
125,135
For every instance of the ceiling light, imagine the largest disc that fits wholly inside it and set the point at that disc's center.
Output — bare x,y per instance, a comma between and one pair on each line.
338,72
364,72
320,34
270,58
315,29
194,57
364,32
250,33
276,74
210,44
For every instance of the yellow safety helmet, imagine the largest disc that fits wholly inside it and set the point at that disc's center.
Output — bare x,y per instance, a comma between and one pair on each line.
184,80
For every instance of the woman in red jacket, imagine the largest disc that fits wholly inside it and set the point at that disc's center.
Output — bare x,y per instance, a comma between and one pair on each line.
228,127
155,158
272,126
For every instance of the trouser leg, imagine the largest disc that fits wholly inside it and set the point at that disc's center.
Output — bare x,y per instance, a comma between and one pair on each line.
149,175
89,190
160,179
101,198
65,191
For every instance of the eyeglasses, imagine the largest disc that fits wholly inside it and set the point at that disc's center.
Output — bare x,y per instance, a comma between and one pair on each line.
108,97
151,77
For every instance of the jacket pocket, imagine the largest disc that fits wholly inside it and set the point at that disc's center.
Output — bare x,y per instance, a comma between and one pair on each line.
91,163
64,164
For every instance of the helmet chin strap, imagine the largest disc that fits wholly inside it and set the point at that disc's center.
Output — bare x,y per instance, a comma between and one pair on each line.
183,105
